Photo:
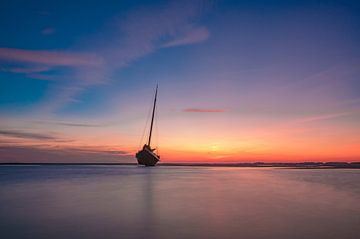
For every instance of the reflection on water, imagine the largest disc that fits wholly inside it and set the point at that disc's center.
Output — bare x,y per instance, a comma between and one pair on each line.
177,202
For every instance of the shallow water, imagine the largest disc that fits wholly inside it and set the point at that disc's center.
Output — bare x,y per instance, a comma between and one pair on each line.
178,202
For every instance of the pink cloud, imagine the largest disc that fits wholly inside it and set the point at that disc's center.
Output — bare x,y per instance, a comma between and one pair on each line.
203,110
26,69
49,58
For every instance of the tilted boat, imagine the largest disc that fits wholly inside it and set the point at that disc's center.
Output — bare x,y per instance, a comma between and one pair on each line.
147,156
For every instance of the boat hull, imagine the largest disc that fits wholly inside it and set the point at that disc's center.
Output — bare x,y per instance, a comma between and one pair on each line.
147,157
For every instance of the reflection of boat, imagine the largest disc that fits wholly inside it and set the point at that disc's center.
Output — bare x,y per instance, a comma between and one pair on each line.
146,156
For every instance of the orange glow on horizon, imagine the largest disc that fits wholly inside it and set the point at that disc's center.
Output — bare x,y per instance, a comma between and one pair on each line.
216,139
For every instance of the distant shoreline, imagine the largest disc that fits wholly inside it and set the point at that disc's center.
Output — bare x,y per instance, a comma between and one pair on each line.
304,165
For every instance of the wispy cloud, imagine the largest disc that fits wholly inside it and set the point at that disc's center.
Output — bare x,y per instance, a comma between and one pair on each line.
26,135
322,117
49,58
203,110
128,39
70,124
25,69
35,153
87,149
192,36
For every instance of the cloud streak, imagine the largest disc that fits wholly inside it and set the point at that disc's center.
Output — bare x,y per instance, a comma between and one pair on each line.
203,110
26,135
70,124
322,117
36,154
193,36
129,38
49,58
25,69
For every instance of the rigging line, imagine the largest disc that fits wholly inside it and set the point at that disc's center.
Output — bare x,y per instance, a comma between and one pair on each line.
145,127
157,132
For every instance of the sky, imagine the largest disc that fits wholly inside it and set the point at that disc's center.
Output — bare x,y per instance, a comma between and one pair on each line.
239,81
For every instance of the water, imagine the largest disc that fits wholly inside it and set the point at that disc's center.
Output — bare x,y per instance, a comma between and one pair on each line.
178,202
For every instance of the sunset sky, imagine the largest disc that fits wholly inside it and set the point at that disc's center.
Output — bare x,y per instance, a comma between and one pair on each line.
239,81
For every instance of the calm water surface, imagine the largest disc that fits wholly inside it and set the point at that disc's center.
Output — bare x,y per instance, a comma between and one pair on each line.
178,202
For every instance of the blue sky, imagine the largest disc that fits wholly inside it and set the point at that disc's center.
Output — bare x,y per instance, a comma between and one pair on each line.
252,66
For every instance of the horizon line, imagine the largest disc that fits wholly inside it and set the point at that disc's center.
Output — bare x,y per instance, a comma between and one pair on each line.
299,165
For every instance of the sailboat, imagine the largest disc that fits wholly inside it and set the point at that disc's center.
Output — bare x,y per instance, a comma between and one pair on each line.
147,156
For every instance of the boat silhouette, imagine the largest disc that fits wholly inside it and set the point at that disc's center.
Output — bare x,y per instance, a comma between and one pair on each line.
147,156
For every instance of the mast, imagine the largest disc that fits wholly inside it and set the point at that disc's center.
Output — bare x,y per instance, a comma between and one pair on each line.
152,118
